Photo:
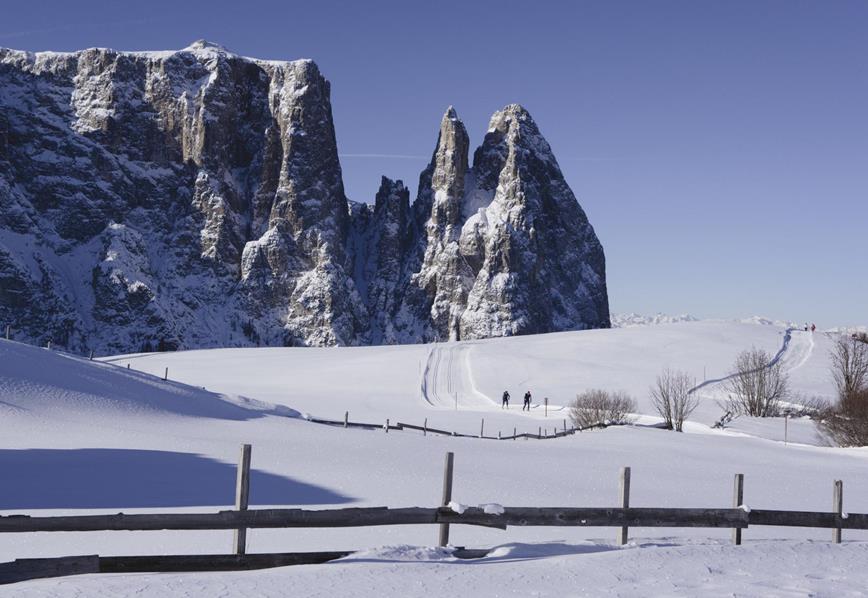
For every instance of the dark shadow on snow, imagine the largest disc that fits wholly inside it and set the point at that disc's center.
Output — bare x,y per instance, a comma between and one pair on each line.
122,478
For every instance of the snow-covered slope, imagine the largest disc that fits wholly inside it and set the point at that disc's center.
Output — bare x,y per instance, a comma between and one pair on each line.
556,366
164,456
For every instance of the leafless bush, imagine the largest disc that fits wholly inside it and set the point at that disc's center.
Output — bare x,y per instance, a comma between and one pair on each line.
594,407
846,423
802,406
756,386
672,399
850,364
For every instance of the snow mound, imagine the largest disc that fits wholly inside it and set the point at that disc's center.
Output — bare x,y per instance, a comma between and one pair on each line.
492,508
457,507
403,552
37,381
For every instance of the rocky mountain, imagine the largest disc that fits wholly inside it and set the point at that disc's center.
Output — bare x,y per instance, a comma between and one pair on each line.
162,200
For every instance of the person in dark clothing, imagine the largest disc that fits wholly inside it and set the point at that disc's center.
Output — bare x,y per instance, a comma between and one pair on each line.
505,401
526,401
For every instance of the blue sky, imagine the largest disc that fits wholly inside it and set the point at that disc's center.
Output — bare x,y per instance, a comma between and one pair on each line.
720,149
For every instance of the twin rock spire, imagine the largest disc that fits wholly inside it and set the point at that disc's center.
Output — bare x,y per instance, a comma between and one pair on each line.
497,249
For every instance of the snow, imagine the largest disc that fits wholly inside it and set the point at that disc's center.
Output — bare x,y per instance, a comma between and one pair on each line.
457,507
553,569
90,437
492,508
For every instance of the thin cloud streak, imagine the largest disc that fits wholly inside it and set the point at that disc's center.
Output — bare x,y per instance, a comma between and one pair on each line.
381,156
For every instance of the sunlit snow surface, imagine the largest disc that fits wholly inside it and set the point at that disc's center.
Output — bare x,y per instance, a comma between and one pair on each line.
89,437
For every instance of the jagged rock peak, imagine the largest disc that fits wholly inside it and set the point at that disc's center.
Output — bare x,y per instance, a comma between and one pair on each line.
390,192
449,165
514,120
204,44
451,114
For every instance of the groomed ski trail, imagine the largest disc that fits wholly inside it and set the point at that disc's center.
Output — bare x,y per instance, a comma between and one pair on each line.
447,380
795,352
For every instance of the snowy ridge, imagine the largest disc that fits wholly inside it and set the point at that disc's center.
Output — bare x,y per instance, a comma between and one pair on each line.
633,319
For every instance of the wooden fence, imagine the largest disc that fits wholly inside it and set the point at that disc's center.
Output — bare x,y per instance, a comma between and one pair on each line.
543,433
240,519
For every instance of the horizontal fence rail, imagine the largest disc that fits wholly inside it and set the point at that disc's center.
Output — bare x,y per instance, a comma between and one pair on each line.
377,516
543,433
737,518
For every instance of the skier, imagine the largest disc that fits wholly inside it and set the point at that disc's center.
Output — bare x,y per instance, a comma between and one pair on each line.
526,401
505,401
813,328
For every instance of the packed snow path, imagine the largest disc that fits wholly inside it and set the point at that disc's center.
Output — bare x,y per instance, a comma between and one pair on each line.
793,354
447,380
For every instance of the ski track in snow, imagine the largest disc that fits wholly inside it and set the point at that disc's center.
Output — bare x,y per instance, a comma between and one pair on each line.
793,354
447,379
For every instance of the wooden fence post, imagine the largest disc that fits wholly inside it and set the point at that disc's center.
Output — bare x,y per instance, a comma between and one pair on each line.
91,354
425,427
565,426
539,433
514,431
482,428
242,496
387,425
737,501
49,345
346,419
625,502
498,435
166,375
7,331
447,496
838,508
546,400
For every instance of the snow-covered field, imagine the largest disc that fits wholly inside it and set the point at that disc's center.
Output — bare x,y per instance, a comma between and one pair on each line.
91,437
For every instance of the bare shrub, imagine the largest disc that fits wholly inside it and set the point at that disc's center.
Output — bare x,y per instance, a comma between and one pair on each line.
756,386
801,406
672,398
595,407
846,423
849,359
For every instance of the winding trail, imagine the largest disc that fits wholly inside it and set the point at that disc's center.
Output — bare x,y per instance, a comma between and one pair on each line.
447,380
793,354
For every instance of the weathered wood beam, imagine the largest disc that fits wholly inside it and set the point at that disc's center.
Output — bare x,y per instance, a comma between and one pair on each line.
374,516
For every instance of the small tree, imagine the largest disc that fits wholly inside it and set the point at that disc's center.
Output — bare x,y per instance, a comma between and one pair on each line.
672,398
595,407
849,359
757,385
846,423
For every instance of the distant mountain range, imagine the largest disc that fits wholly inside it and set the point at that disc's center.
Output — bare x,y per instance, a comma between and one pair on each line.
194,198
626,320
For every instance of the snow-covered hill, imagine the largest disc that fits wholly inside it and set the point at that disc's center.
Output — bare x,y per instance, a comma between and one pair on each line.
69,424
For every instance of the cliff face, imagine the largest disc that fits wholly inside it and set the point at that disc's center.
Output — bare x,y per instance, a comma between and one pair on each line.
194,199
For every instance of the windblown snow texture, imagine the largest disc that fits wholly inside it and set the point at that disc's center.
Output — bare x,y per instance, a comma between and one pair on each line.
160,200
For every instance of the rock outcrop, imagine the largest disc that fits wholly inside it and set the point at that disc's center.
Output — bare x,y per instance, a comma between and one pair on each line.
160,200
